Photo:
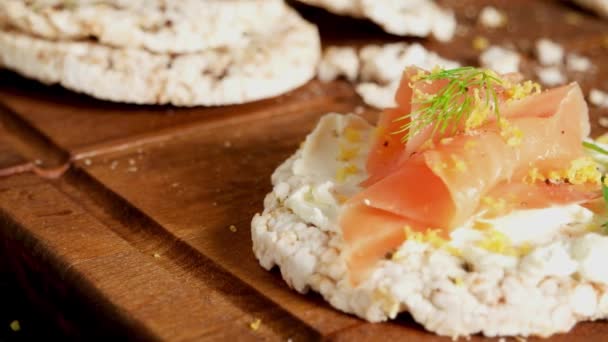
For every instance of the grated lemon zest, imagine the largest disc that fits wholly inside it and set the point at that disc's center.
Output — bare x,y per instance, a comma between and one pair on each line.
481,225
348,153
519,91
421,97
344,172
255,325
15,326
430,237
534,175
480,43
389,304
459,164
497,242
555,176
470,144
453,250
583,170
494,206
341,198
429,144
352,135
446,141
438,167
512,134
419,75
480,113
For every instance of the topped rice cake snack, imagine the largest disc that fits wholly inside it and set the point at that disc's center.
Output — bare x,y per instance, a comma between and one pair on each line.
475,205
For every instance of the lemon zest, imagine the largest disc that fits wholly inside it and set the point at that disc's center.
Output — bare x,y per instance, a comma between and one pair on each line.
255,325
348,153
352,135
459,164
480,43
583,170
343,173
522,90
512,134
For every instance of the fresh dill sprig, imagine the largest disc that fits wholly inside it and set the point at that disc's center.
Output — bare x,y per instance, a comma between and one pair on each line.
593,147
605,195
454,102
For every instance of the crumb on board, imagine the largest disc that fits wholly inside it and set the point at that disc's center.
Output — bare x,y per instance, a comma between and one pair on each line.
88,162
232,228
500,59
113,164
578,63
491,17
227,144
15,325
132,169
131,161
551,76
480,43
549,52
255,325
156,255
598,98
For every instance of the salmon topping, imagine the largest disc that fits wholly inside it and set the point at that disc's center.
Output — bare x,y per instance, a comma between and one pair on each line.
514,148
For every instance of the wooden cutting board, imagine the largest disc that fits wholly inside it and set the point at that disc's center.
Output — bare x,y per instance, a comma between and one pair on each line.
115,218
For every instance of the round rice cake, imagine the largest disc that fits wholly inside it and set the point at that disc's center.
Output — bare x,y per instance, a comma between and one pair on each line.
469,288
160,26
269,65
418,18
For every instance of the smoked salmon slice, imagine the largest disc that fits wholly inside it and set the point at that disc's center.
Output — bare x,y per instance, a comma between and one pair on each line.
517,161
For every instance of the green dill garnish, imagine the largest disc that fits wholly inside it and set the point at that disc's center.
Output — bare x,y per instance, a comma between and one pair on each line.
455,102
605,194
595,147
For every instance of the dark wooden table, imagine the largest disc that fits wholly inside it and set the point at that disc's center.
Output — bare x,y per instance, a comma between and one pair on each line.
114,219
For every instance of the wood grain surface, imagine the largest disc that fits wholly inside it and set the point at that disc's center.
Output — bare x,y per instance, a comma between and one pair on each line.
126,209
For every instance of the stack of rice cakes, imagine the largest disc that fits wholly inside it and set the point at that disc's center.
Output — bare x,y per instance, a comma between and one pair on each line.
184,53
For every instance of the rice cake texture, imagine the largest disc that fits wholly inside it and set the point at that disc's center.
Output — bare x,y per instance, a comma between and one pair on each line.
159,26
420,18
269,64
559,281
377,69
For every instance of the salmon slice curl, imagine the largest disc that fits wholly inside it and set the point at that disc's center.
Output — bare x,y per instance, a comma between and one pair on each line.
530,157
